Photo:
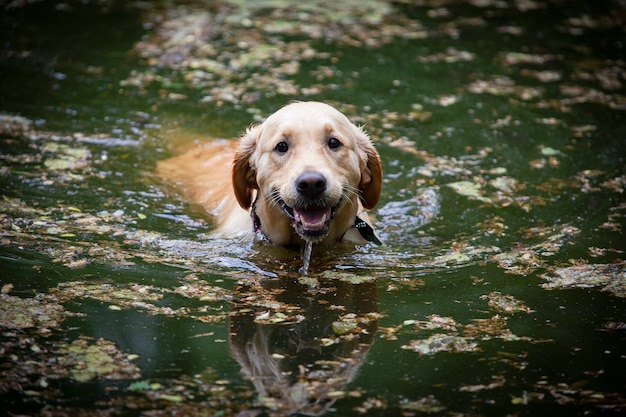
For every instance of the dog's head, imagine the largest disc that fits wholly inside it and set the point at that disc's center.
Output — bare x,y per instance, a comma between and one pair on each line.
310,167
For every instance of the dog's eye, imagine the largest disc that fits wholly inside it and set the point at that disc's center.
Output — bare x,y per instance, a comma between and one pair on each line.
334,143
281,147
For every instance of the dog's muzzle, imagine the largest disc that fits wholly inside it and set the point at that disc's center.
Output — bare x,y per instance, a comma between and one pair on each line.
311,215
311,222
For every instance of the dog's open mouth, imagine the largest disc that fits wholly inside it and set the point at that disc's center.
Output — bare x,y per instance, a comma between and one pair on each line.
310,222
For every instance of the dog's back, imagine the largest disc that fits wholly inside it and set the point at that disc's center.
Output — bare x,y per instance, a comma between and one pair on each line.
202,176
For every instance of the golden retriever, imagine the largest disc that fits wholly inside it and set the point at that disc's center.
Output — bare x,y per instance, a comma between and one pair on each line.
305,174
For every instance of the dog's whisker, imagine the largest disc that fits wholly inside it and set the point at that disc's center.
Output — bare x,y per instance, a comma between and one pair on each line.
350,189
274,198
348,192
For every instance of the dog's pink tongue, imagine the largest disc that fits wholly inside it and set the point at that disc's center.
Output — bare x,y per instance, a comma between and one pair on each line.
312,217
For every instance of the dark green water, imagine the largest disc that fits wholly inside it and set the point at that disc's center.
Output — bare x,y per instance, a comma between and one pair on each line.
500,290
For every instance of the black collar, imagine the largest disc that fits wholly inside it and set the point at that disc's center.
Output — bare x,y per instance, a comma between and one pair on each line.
256,221
366,231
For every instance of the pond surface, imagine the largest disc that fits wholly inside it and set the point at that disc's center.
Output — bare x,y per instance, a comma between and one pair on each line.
500,290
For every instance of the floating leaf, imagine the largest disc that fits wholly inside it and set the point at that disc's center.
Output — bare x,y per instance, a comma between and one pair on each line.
548,151
505,303
426,405
609,277
139,386
342,327
101,359
41,313
468,189
441,343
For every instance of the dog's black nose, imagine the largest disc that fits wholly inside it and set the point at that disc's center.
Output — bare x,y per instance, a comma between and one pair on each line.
311,184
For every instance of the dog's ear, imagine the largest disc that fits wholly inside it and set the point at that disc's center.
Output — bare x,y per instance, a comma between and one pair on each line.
372,172
243,174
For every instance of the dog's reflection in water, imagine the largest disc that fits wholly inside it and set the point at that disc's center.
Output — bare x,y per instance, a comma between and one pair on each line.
301,345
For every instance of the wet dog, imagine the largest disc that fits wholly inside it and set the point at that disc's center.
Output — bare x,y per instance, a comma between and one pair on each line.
305,174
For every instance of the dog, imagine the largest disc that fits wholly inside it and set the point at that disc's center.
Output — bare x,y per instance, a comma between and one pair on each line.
306,174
